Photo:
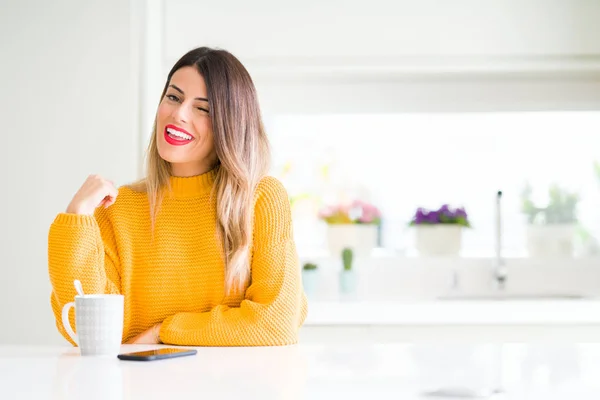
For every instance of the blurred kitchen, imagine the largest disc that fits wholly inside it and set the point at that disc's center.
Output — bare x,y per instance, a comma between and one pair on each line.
442,158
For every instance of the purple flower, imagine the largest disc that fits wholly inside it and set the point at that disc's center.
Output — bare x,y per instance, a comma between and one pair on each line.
460,212
444,215
433,217
420,216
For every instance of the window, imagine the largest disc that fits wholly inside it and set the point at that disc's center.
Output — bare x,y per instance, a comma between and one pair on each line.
404,161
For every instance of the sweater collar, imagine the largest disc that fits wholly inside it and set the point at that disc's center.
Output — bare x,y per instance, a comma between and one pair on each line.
192,186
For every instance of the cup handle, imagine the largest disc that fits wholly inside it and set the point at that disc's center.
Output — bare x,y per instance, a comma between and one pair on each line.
67,323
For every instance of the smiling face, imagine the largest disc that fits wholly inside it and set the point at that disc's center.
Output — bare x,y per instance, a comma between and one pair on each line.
183,125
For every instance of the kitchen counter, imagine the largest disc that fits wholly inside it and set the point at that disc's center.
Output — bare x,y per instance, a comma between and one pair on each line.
309,371
455,312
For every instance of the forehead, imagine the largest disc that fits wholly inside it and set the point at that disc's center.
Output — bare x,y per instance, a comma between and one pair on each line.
190,81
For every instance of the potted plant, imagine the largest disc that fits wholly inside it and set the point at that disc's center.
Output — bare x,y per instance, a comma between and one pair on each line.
439,232
347,274
353,225
550,227
309,278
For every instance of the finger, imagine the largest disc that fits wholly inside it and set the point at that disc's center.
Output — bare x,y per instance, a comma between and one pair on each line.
108,201
111,189
110,195
107,183
133,340
111,199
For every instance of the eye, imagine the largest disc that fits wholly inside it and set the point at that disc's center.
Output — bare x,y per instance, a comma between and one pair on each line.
202,109
172,97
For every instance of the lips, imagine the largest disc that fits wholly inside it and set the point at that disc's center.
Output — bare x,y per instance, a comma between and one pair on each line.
177,136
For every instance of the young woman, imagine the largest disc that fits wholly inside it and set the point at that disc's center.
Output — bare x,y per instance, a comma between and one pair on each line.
201,248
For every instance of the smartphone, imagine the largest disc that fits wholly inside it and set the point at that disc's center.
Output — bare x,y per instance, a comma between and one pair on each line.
157,354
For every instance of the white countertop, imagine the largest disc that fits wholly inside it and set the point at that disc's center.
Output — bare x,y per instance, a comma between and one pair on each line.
454,312
307,371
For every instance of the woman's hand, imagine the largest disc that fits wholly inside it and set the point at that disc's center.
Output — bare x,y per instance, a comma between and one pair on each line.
95,192
151,336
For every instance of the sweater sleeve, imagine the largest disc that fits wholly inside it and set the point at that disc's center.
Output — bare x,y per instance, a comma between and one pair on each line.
274,305
81,247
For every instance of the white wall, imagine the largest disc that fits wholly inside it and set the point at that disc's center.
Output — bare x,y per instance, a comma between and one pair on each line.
68,106
319,57
314,30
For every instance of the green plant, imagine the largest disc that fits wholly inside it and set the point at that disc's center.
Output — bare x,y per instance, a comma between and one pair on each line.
309,267
347,256
597,169
561,207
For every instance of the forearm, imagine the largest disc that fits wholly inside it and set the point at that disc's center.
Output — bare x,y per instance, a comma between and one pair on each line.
271,314
76,251
224,326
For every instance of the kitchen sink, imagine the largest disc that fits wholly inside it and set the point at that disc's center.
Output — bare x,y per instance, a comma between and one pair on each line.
512,296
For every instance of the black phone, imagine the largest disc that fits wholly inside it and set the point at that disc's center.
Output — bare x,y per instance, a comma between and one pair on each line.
157,354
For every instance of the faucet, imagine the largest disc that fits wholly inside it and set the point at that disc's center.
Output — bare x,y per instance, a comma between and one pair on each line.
499,266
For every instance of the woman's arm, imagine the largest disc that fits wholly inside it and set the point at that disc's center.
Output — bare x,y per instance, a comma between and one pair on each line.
274,306
81,247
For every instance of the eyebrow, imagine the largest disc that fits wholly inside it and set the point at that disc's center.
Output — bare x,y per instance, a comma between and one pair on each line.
181,91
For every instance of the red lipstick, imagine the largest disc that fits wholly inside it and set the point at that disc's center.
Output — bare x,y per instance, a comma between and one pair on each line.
177,136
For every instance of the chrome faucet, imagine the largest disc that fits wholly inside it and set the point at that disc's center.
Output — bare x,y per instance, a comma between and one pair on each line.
500,272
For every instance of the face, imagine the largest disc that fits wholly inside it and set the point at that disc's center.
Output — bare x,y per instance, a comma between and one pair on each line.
183,126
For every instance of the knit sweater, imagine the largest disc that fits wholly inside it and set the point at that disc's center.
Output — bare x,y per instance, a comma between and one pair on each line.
176,275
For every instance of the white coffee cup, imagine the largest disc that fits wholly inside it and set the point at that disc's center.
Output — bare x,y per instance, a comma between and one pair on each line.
99,323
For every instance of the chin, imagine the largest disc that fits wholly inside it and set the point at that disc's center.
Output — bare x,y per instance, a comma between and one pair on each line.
174,157
169,157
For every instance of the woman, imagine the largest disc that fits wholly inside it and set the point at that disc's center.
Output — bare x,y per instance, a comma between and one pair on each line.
202,248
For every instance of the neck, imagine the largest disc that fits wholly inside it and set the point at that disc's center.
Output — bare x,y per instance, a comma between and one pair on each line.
186,170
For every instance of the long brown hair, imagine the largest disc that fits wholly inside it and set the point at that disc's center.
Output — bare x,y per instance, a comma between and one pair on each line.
242,150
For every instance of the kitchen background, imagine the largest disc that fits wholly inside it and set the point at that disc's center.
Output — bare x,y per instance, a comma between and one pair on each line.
373,113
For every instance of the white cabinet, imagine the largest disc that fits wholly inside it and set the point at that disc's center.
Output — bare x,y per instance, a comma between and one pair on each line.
338,334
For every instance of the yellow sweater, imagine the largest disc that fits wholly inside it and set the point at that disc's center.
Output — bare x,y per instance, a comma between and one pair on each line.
178,279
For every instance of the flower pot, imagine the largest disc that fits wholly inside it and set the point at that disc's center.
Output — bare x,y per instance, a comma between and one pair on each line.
348,282
439,239
552,240
310,281
361,238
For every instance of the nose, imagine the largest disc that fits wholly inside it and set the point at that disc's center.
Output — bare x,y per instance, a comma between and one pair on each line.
181,113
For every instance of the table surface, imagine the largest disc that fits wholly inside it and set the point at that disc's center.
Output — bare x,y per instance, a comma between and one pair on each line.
311,371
